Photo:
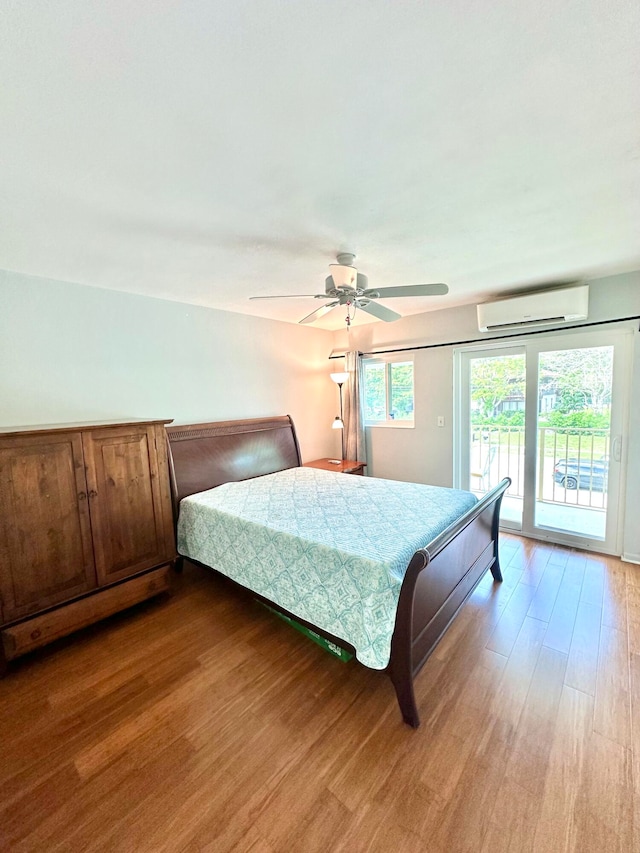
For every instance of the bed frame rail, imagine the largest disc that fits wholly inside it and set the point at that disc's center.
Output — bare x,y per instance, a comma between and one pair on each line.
438,581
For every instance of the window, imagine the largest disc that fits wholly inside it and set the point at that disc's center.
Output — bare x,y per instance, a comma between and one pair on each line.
388,392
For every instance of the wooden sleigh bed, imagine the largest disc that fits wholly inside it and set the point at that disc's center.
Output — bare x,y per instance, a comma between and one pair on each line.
439,576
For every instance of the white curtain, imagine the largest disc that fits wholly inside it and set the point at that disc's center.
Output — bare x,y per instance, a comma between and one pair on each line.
354,437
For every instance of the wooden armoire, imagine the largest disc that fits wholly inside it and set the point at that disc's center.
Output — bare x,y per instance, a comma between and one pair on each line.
86,526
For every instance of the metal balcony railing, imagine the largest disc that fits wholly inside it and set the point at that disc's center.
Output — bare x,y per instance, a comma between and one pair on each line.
572,463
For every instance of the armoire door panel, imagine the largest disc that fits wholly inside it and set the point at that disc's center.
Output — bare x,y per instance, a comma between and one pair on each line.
125,501
46,553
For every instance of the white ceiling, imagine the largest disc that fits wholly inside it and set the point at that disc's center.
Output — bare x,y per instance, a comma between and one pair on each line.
207,151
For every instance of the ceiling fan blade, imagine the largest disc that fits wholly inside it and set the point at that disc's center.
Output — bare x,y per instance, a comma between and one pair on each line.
379,311
409,290
319,312
294,296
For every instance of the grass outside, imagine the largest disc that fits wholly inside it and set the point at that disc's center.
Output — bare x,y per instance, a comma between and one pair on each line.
556,443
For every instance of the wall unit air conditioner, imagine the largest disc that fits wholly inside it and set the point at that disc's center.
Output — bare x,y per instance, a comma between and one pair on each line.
535,309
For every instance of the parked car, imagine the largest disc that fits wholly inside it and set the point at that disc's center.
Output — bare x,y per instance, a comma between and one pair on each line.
582,474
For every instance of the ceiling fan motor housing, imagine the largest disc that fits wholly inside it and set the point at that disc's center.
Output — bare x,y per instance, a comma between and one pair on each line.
342,282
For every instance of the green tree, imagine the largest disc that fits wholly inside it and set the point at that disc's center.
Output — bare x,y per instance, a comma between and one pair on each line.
494,380
388,384
402,391
375,392
581,378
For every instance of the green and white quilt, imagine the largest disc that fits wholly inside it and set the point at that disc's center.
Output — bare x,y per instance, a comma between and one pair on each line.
330,548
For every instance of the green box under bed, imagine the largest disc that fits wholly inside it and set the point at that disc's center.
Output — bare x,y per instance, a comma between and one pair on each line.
327,645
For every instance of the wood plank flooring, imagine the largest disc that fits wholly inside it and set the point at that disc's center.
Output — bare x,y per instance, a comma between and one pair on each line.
202,722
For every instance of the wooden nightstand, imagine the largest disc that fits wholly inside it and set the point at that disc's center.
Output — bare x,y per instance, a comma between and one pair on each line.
346,466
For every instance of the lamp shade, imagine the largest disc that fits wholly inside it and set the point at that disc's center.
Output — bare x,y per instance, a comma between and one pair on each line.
337,423
339,378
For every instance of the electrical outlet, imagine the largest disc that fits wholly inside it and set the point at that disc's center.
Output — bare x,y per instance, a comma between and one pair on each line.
440,420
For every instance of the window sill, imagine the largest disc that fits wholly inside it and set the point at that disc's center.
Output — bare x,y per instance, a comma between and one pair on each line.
391,424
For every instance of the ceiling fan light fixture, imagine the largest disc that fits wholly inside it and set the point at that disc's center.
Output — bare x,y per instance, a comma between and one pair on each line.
343,276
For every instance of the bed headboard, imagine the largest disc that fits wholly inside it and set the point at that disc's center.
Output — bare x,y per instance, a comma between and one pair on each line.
202,456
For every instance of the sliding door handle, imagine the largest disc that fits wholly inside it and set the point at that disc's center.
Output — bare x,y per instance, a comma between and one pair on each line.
616,448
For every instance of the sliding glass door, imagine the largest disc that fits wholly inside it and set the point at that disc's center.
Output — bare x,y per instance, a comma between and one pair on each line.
548,414
493,413
575,388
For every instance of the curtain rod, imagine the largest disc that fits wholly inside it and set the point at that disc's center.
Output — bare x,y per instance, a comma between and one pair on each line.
497,337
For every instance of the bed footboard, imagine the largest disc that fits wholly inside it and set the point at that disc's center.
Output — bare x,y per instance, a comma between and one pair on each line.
438,581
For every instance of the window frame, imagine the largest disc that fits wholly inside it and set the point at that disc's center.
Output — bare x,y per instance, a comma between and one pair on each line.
389,362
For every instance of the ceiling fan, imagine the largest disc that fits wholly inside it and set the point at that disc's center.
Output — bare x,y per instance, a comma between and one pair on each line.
346,286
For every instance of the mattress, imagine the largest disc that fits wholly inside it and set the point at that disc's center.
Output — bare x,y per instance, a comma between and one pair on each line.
330,548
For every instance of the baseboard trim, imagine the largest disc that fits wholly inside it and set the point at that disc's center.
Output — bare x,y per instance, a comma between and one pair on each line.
631,558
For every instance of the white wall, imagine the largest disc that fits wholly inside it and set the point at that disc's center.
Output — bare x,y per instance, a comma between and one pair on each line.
74,353
70,353
425,454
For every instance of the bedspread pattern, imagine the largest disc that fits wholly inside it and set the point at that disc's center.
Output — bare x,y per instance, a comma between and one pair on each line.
330,548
